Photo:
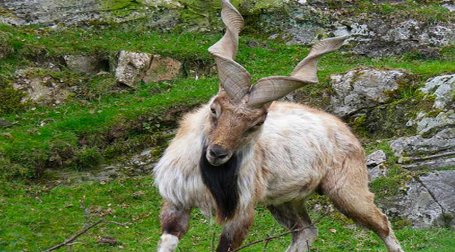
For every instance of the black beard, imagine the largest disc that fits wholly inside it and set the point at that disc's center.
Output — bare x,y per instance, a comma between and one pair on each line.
222,183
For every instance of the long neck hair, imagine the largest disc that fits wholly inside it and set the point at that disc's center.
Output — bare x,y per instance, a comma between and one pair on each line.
222,182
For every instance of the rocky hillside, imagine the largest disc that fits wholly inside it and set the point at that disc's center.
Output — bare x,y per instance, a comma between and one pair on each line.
92,92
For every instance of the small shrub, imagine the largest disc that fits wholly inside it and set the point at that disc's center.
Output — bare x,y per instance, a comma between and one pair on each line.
31,156
88,158
5,47
11,100
10,170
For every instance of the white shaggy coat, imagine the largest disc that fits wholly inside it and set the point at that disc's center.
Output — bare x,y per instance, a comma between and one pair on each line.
294,150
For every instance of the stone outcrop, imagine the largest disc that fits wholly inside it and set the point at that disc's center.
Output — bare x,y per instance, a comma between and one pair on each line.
434,144
377,37
70,12
442,87
362,88
430,200
41,88
418,152
133,67
88,64
374,33
162,68
376,164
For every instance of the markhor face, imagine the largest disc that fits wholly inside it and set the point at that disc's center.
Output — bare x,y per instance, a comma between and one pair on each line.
232,126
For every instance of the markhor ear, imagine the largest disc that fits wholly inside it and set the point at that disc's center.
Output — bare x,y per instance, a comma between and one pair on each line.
272,88
235,80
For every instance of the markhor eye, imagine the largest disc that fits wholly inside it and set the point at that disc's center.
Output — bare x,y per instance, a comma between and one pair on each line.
259,124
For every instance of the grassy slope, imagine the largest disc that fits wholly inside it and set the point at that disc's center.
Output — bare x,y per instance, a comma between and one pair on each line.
30,142
35,217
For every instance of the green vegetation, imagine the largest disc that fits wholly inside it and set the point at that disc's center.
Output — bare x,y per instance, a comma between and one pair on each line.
102,119
38,216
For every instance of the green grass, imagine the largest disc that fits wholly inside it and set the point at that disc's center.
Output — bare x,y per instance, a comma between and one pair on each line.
30,143
35,217
100,120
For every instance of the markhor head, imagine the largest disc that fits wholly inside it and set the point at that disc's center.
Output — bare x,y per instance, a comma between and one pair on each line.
240,108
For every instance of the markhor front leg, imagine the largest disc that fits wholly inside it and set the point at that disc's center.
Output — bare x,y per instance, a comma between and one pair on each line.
174,224
235,231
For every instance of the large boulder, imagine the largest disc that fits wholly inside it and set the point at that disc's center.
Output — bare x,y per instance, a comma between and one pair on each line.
131,67
88,64
162,68
362,88
430,200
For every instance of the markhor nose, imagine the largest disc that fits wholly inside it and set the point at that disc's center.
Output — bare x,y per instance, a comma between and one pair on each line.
218,152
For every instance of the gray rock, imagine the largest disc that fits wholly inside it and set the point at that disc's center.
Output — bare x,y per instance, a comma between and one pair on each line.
88,64
5,124
364,88
162,68
380,36
375,164
430,200
443,88
131,67
376,158
373,34
419,152
428,125
450,7
403,31
434,146
419,206
40,89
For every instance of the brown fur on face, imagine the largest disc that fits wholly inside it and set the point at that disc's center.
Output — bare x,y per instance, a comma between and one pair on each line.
233,125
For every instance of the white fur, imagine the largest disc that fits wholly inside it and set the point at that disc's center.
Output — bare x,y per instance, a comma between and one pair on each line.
168,243
298,149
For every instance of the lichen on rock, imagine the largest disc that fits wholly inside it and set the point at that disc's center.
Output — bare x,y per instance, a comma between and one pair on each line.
41,88
362,88
430,200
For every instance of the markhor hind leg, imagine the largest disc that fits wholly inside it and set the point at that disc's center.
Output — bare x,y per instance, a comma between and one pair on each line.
174,224
294,217
351,195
